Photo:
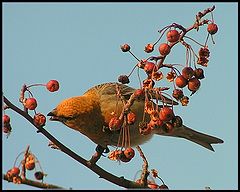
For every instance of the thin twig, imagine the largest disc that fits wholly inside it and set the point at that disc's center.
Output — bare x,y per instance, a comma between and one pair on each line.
145,171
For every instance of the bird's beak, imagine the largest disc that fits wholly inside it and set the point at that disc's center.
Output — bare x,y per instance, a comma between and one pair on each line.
53,116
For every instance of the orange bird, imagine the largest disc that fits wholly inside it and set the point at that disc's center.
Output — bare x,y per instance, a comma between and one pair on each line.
91,113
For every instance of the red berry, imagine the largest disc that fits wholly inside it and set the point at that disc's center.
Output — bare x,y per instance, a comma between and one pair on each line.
164,49
30,103
149,67
187,72
194,84
39,119
52,85
39,175
166,114
129,153
173,36
131,118
15,171
181,81
115,124
30,165
6,119
212,28
125,48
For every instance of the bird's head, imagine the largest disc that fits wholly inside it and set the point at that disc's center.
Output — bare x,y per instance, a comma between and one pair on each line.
70,111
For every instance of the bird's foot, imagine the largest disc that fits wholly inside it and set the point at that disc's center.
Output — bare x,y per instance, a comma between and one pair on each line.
96,156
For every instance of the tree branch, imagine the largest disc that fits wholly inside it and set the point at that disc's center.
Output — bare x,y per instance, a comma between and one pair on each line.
95,168
33,183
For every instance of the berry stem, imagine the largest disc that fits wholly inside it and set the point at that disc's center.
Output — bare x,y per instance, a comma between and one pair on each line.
194,41
17,158
206,40
164,30
134,56
132,70
212,39
34,85
161,180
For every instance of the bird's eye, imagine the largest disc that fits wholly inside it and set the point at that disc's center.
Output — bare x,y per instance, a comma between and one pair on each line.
70,117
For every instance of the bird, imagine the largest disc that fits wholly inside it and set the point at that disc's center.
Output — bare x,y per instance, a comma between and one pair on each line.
91,113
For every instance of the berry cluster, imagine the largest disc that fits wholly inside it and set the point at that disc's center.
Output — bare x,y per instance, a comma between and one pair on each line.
188,76
28,163
30,103
162,116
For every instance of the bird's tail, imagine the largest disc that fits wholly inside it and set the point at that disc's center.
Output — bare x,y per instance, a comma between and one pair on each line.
194,136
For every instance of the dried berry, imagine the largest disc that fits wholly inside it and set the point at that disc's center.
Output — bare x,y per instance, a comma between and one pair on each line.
170,76
199,73
203,61
131,118
177,94
39,175
115,155
157,76
115,124
204,52
148,83
184,100
123,79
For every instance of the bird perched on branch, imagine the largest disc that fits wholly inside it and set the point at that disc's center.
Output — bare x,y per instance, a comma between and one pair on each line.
91,113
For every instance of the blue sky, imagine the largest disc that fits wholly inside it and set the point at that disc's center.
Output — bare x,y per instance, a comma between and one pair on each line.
78,44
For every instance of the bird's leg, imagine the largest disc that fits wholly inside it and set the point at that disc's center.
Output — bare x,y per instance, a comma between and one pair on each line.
96,156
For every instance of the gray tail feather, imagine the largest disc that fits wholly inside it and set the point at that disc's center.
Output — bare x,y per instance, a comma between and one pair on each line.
194,136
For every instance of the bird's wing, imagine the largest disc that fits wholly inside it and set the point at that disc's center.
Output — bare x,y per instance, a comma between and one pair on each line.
125,91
